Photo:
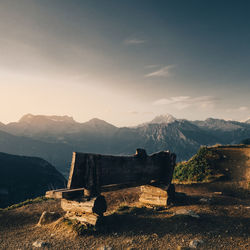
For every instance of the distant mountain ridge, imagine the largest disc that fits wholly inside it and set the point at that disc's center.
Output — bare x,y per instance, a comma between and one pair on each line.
29,118
52,128
55,137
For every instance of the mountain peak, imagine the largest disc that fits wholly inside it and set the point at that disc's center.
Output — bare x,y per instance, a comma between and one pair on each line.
29,118
167,118
98,122
248,120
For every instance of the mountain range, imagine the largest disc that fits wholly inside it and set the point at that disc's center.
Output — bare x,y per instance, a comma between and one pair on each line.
54,138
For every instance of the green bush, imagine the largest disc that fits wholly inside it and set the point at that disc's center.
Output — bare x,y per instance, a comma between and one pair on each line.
197,169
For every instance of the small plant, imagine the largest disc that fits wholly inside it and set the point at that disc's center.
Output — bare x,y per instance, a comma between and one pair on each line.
67,222
82,229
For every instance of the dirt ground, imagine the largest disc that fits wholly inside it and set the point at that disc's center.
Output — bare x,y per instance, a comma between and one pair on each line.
224,223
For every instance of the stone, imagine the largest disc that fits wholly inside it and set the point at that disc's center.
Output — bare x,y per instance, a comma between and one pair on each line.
195,243
182,248
39,243
205,201
187,212
218,193
104,248
48,217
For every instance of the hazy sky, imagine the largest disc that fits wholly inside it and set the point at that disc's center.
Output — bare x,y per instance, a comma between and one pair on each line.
125,61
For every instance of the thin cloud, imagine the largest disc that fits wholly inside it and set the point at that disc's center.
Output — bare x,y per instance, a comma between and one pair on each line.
141,113
243,108
134,112
182,102
162,72
151,66
134,41
239,109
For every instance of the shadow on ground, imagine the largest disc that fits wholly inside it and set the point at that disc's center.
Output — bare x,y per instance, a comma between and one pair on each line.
142,221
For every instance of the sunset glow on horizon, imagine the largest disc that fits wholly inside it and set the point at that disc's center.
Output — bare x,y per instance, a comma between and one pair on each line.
124,63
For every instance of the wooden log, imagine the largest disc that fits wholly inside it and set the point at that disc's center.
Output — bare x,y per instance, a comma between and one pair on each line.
66,193
156,191
153,196
55,194
115,187
84,218
155,202
95,205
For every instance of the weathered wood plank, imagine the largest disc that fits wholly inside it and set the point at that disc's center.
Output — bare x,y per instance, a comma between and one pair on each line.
115,187
66,193
76,206
93,171
156,201
89,218
96,205
155,191
153,195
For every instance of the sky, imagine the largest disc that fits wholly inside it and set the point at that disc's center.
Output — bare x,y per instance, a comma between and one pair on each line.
125,61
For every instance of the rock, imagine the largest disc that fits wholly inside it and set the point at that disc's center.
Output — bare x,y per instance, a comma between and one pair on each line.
104,248
39,243
218,193
182,248
155,235
205,201
195,243
187,212
47,217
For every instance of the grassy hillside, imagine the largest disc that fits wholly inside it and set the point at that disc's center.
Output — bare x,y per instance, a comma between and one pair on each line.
229,163
23,177
199,168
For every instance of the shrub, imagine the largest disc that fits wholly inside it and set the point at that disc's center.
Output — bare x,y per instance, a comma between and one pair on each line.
198,169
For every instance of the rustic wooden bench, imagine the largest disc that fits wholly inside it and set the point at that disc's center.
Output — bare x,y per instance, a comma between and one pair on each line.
92,174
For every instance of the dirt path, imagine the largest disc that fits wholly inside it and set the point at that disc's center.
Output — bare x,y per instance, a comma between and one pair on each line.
223,223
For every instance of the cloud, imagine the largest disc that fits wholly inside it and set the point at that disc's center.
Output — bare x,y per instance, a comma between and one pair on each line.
134,112
162,72
182,102
151,66
243,108
239,109
134,41
141,113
